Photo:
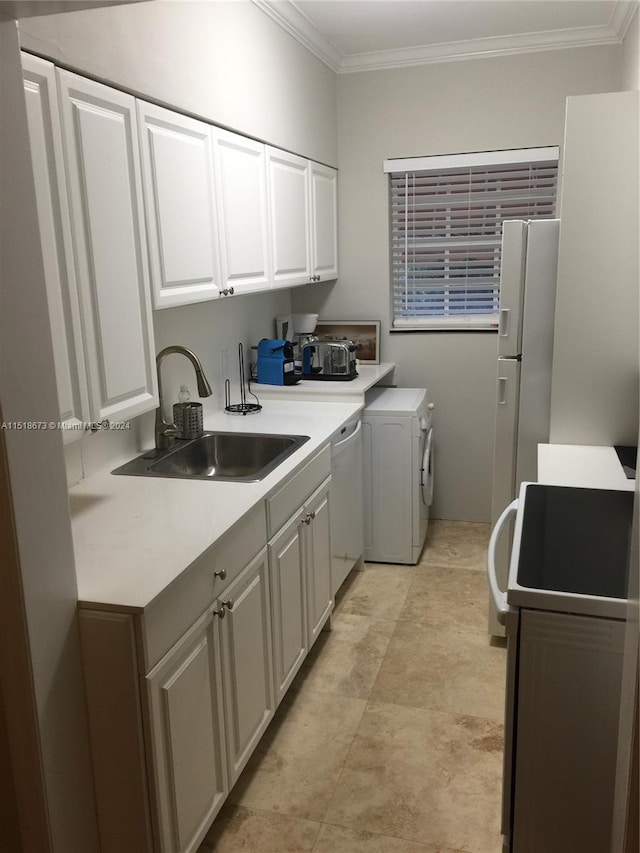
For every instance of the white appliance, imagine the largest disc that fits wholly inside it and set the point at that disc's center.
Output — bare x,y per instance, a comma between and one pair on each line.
564,611
346,505
525,350
398,473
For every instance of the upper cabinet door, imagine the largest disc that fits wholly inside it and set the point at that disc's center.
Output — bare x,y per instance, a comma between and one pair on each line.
241,184
177,164
57,249
105,195
324,222
290,219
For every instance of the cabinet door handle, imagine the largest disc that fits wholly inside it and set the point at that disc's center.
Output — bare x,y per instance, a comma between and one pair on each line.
307,519
229,604
312,515
220,573
220,612
231,291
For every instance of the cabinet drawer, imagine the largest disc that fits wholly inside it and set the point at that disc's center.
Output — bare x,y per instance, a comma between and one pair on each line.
287,500
178,607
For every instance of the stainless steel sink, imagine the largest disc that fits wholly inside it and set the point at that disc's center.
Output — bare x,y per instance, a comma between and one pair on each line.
237,457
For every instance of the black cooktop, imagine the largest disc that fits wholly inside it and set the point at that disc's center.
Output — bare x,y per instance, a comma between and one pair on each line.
628,457
576,540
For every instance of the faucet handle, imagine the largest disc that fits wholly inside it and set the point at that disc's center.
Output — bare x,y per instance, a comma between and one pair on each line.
167,437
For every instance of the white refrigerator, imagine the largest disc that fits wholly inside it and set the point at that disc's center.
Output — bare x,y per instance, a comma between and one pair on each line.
529,264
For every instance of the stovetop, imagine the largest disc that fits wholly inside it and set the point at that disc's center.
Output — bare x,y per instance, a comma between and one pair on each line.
574,546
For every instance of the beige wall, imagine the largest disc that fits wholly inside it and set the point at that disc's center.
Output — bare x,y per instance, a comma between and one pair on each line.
506,102
631,56
225,61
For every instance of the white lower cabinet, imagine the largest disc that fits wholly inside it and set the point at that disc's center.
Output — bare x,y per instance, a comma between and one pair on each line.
179,694
568,690
209,701
318,561
300,562
184,695
288,596
247,661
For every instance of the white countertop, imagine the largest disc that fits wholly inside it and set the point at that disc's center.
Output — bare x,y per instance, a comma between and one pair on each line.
315,389
583,466
133,536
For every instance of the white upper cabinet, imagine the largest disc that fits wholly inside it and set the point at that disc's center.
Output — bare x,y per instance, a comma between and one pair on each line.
324,222
57,249
289,218
177,165
243,214
105,197
303,219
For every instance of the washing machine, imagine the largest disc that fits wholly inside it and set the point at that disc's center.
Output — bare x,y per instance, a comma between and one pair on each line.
398,473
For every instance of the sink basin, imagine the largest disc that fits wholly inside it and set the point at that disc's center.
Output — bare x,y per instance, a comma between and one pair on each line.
237,457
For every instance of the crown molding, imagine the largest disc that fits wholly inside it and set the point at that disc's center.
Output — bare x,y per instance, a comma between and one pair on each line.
289,16
296,23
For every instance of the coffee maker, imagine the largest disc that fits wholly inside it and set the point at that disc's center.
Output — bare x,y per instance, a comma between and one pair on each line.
299,329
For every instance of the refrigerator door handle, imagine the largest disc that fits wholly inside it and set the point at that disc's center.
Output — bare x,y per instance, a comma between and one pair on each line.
498,597
502,390
505,315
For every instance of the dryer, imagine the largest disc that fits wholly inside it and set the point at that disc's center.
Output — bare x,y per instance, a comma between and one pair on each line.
398,473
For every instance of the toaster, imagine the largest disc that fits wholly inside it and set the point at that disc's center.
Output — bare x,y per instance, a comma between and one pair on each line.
328,359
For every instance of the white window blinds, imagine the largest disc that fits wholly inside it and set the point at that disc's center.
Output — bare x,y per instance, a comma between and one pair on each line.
446,220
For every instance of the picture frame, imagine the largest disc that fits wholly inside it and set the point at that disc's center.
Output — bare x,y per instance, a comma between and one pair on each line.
365,334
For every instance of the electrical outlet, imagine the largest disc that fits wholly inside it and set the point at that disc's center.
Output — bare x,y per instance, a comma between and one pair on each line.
224,363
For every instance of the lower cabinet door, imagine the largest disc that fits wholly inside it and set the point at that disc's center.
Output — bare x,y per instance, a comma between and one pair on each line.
568,700
247,661
288,596
318,559
189,762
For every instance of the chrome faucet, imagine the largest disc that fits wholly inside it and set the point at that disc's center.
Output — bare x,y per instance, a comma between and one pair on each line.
165,432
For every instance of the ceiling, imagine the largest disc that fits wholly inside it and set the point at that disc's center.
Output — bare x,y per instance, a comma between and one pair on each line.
358,35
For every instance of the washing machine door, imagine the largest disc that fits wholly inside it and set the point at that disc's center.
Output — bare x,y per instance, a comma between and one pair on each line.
426,469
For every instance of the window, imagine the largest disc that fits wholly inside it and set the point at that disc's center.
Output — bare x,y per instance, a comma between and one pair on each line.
446,216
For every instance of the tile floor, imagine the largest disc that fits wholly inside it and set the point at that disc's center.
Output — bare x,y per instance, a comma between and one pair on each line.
390,738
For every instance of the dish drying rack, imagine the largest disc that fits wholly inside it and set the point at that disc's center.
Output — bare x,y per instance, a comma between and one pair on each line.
241,408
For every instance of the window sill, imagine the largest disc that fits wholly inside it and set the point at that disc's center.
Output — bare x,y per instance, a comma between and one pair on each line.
403,330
